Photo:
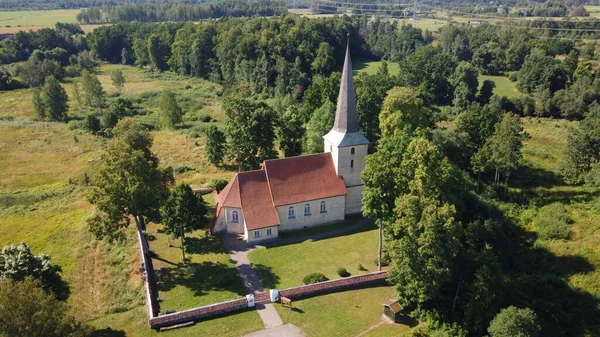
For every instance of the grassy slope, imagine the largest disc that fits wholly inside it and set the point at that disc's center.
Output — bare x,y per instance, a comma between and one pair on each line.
38,18
371,67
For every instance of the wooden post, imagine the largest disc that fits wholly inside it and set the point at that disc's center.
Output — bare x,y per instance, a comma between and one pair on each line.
182,244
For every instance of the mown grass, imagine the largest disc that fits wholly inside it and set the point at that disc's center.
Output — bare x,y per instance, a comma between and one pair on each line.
343,314
38,18
504,86
285,266
371,67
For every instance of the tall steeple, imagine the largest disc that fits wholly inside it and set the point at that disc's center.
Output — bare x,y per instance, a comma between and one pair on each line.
346,131
346,118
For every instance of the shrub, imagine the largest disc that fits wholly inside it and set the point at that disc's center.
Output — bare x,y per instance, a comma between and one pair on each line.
343,272
218,184
552,222
314,278
183,168
513,321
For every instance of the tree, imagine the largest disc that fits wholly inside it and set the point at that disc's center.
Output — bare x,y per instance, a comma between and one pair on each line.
324,61
250,131
170,112
570,62
118,80
465,82
541,72
502,151
370,94
426,234
27,310
17,263
403,111
128,182
51,102
159,52
583,148
478,123
318,126
515,322
183,212
291,132
215,145
486,92
429,69
93,91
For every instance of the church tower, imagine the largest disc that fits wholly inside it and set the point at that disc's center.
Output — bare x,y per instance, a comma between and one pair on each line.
347,144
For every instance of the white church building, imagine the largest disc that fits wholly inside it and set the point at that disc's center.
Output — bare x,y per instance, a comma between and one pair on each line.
300,192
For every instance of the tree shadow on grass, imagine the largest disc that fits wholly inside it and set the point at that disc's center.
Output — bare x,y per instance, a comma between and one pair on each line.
265,273
530,177
201,278
108,332
541,197
205,245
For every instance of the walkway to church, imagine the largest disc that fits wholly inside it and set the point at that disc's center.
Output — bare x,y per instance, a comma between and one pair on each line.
238,251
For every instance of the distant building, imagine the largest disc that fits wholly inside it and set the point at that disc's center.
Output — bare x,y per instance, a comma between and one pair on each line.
304,191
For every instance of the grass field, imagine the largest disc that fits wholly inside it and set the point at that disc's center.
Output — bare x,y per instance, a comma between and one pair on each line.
371,67
38,18
504,86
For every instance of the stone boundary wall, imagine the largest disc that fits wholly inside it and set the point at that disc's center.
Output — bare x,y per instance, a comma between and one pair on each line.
348,283
198,313
149,285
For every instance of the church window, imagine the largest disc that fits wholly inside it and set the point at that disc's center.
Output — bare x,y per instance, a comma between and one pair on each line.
269,231
352,163
352,151
234,216
256,234
307,210
323,209
291,212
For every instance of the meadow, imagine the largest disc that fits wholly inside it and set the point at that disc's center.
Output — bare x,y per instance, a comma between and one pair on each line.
15,21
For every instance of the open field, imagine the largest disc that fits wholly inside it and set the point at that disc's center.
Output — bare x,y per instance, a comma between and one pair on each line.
38,18
504,86
371,67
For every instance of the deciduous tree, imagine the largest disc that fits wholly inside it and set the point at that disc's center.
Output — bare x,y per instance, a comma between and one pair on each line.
403,112
170,112
117,78
215,145
515,322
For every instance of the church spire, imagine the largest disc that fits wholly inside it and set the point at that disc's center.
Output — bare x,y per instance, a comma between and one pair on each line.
346,119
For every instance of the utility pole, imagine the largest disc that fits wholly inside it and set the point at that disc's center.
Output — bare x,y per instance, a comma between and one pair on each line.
182,243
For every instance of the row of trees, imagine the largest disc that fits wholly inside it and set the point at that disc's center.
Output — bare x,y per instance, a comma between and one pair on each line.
179,11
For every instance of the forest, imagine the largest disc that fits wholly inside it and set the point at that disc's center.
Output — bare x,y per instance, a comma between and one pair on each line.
445,179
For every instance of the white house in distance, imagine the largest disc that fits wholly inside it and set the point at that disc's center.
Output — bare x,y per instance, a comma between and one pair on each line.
304,191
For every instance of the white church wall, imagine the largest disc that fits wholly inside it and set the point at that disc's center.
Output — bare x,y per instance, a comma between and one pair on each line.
220,222
354,199
264,234
334,212
234,227
352,165
334,153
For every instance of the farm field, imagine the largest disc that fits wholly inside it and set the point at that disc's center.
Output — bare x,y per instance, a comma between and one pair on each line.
38,18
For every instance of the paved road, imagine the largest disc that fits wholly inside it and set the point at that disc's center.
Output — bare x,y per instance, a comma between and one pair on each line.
238,251
287,330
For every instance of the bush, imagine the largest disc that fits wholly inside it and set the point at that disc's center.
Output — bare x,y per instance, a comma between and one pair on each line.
343,272
513,321
552,222
183,168
314,278
218,184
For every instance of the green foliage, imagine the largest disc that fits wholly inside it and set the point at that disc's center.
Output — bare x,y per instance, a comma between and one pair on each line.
183,211
465,81
215,145
117,78
50,103
541,72
324,61
291,132
218,184
91,124
17,263
403,112
429,69
128,182
26,310
318,126
515,322
159,51
583,148
314,278
371,91
92,88
552,223
170,112
486,92
250,131
343,272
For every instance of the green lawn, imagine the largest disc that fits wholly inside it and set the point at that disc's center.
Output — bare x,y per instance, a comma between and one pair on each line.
38,18
371,67
504,86
343,314
285,266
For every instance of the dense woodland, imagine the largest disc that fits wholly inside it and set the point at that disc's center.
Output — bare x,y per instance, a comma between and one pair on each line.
456,256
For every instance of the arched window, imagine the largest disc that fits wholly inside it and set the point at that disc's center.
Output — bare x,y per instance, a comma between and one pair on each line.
352,163
307,210
352,151
291,212
234,216
323,207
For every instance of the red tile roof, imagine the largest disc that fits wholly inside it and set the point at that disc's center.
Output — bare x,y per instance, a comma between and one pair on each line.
257,205
303,178
280,182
